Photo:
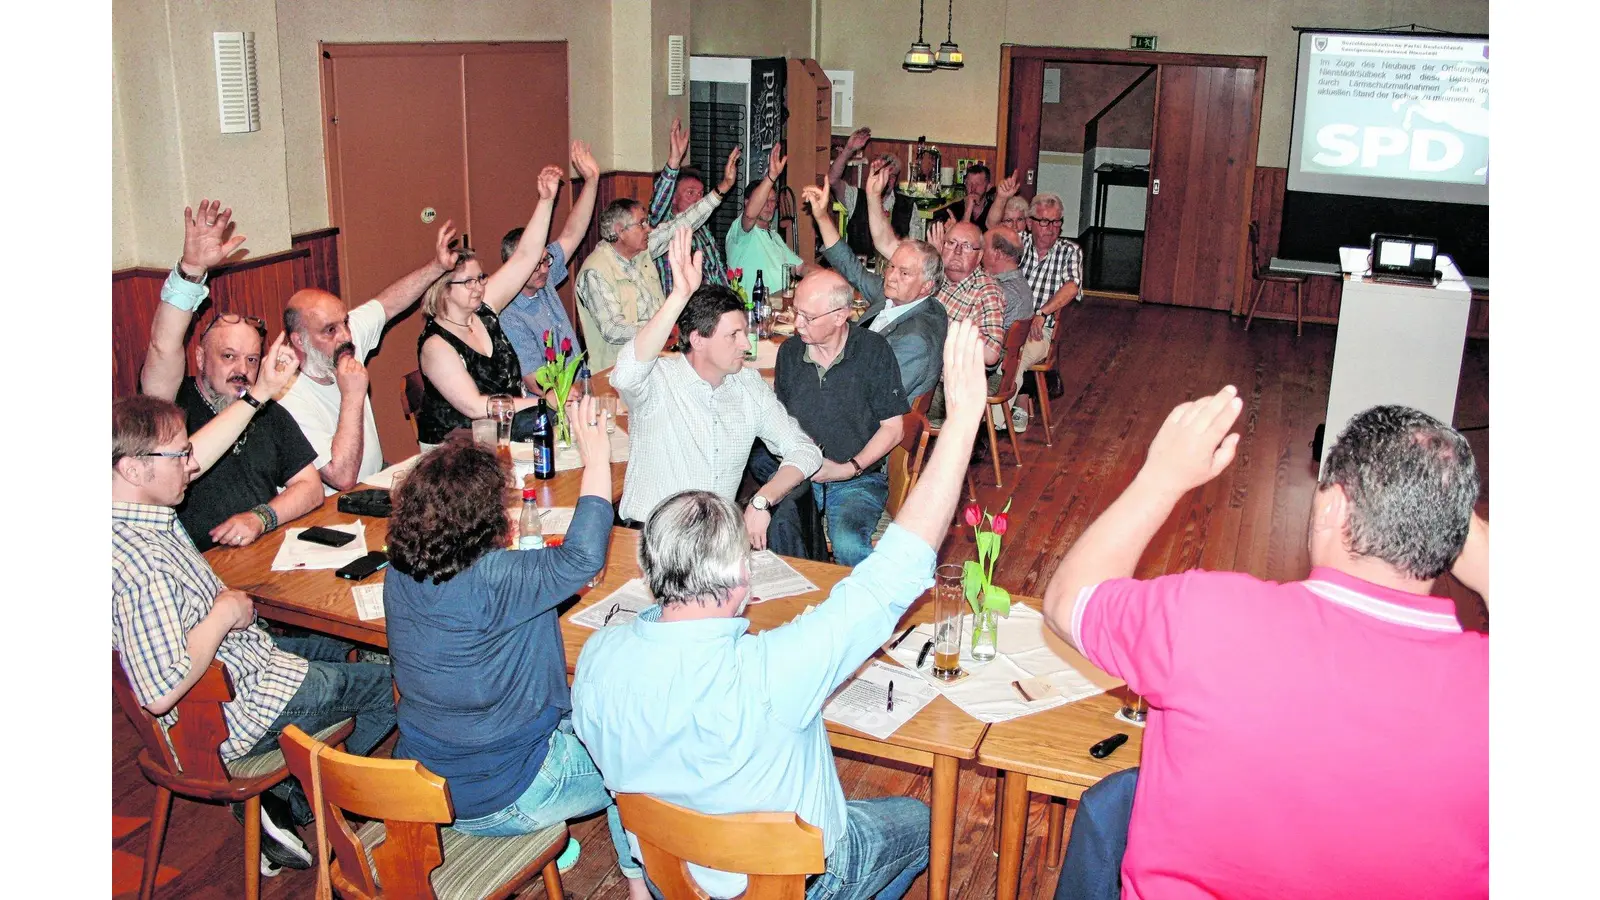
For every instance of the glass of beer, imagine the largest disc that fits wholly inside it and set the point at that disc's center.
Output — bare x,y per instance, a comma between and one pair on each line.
949,608
1134,709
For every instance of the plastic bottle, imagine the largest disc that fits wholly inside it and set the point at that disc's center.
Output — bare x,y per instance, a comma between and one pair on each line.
530,533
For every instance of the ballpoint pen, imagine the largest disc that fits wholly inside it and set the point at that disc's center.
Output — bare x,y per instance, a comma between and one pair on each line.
891,697
903,635
923,656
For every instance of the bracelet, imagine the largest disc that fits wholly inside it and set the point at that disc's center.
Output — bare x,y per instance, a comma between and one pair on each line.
267,515
856,464
254,404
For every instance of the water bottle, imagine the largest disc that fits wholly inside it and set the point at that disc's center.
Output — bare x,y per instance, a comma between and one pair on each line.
544,442
530,533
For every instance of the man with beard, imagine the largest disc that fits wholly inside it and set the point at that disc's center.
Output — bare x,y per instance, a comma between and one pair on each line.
329,398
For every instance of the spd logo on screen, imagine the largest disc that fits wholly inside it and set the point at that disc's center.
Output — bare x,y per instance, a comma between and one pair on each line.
1345,145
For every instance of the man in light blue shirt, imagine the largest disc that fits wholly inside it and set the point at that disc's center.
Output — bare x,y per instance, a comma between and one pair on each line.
683,705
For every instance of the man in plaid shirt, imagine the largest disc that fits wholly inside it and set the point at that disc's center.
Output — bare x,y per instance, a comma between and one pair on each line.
171,616
676,190
1053,266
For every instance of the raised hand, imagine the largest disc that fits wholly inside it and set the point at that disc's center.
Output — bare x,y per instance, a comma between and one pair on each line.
877,180
776,161
730,172
1007,188
816,198
351,376
685,266
278,365
442,251
549,182
936,232
678,143
966,386
583,161
1193,445
857,140
205,241
589,431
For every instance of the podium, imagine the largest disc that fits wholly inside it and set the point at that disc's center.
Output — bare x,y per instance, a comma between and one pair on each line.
1396,344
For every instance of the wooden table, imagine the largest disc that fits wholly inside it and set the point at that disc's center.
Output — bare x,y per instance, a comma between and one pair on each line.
937,738
1048,753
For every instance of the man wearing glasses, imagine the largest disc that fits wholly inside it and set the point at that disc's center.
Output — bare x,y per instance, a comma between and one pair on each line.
537,308
1053,266
267,476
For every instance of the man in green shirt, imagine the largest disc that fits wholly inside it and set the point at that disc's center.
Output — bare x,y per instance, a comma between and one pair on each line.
753,244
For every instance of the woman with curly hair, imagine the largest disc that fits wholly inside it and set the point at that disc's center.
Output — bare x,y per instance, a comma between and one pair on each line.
475,641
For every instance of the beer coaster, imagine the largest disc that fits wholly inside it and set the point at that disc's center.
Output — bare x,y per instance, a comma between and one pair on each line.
1122,718
963,676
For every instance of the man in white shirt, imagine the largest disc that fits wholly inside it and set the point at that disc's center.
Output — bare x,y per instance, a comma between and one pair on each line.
328,399
695,417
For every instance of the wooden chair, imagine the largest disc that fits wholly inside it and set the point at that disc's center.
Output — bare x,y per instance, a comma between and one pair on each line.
920,455
411,398
1265,273
186,759
1016,336
401,852
776,850
902,478
1042,368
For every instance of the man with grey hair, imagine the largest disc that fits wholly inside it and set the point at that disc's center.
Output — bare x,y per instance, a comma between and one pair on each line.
1053,266
619,288
681,703
898,302
900,208
1261,693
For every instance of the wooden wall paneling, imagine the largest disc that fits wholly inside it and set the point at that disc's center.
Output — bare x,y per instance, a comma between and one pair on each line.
901,148
808,133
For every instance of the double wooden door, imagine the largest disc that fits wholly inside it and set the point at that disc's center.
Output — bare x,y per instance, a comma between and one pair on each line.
420,133
1202,164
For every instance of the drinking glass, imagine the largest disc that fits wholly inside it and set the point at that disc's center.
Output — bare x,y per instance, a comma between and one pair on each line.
502,409
608,408
858,306
1134,709
484,432
949,606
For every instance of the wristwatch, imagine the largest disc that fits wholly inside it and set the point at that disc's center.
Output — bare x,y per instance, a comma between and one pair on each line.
178,267
254,403
760,502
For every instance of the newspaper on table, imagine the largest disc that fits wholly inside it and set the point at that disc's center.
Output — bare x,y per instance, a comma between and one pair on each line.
987,693
617,608
862,702
385,478
369,600
295,554
771,578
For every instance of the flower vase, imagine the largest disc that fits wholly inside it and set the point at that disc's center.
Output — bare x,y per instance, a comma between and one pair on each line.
985,635
563,428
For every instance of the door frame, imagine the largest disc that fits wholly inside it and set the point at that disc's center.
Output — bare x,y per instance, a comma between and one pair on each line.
1010,53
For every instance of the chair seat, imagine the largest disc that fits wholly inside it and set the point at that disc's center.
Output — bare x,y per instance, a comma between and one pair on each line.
257,766
474,867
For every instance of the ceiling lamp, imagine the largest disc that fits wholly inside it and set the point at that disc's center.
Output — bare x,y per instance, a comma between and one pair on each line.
949,55
920,57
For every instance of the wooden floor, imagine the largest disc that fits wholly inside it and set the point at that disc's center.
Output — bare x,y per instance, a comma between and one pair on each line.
1124,367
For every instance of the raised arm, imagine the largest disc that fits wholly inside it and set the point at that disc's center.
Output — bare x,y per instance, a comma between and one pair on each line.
503,285
854,144
1192,447
1003,192
816,199
398,297
758,197
205,246
696,215
216,437
686,277
667,179
931,505
577,224
883,236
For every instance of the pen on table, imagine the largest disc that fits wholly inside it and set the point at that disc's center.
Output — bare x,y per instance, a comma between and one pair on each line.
891,696
923,656
903,635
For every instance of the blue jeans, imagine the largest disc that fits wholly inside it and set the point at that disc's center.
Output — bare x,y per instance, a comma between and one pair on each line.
332,690
1093,867
568,786
853,508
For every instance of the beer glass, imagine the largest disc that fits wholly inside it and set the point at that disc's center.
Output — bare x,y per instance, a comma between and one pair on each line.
949,608
1134,709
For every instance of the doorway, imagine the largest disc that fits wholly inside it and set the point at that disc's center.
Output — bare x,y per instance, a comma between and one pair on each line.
1158,149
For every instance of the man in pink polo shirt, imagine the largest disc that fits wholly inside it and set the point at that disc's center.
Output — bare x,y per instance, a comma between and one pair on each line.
1322,738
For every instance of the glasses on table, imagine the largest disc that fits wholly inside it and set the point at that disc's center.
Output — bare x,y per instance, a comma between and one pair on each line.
183,454
479,278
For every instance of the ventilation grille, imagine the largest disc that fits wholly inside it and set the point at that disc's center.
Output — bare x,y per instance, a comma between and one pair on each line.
676,76
238,98
844,92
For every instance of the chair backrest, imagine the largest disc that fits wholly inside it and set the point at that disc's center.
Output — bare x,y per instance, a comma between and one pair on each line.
412,802
412,403
193,744
1016,336
904,464
776,850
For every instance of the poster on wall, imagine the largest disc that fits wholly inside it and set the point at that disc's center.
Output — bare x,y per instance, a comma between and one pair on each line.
768,111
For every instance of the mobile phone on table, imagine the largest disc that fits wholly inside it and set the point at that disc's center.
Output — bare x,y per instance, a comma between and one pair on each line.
327,537
366,565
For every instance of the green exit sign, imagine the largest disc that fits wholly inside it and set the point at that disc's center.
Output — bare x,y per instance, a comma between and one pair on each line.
1141,42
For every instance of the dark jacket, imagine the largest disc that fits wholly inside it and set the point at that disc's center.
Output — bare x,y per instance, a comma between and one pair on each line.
917,338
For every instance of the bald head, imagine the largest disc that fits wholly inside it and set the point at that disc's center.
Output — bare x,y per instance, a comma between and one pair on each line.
319,330
962,250
817,301
1002,250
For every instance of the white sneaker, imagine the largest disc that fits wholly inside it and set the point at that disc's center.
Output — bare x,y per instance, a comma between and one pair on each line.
269,868
1019,419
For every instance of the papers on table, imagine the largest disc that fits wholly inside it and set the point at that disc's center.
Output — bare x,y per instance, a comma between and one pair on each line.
567,458
987,694
385,478
621,605
862,702
771,578
298,554
555,519
369,600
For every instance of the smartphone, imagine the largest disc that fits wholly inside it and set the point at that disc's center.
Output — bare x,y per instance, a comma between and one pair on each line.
326,536
366,565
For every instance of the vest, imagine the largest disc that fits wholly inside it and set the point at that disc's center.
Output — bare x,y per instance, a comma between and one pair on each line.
638,292
858,233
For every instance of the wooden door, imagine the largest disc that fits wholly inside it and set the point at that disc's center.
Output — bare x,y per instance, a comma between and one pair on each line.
1202,168
1024,112
460,130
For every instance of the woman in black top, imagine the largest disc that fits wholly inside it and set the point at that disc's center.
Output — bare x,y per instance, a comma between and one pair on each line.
464,356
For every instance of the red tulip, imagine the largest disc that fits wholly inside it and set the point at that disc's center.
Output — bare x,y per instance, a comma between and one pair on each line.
566,346
549,355
1000,524
547,337
972,515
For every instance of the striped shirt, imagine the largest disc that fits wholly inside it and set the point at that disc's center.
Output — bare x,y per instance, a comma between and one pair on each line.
977,298
714,270
688,434
161,587
1048,273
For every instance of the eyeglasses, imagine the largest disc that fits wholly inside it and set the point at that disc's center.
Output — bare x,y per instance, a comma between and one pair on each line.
546,261
183,454
803,319
637,223
962,246
479,278
234,319
1048,223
